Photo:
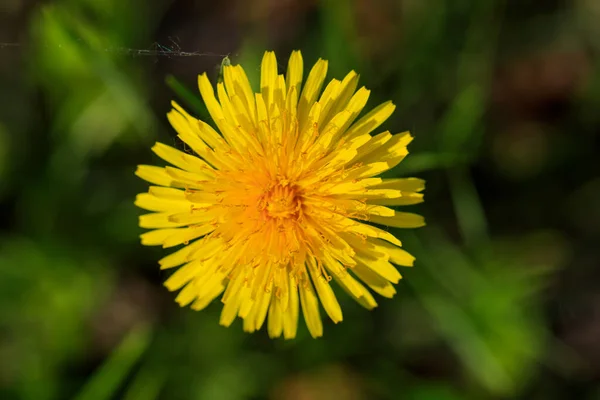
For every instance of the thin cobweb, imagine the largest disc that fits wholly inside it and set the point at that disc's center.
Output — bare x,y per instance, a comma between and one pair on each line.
171,50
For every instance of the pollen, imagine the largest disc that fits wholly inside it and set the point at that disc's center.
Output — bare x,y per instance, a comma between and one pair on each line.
281,199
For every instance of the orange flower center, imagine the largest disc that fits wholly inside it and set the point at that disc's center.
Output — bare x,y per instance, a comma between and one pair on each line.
281,202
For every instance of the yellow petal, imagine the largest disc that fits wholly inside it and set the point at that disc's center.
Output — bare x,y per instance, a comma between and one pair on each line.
182,160
263,300
397,255
209,249
186,179
158,220
181,256
310,309
337,126
212,105
370,194
182,276
238,294
205,298
192,217
295,71
375,281
400,220
234,286
326,295
407,199
275,322
327,99
360,293
310,131
200,148
237,84
268,77
185,235
279,93
376,141
291,107
290,317
368,171
156,175
189,126
380,266
150,202
342,276
392,151
343,95
167,192
356,104
157,237
311,90
372,119
188,294
379,210
369,230
210,136
228,112
403,184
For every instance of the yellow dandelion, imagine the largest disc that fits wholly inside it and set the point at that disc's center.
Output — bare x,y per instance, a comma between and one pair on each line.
281,199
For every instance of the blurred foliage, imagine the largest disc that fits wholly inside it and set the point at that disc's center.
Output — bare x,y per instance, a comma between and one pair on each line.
502,98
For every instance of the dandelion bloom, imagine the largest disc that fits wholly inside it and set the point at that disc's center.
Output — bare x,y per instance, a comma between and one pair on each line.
280,199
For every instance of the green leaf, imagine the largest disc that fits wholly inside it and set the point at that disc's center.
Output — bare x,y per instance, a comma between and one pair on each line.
189,98
460,123
468,207
147,384
108,378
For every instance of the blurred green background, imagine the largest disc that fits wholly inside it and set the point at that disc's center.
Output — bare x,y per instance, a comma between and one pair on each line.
503,98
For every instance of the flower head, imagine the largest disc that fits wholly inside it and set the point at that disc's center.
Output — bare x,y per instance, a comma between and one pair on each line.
280,199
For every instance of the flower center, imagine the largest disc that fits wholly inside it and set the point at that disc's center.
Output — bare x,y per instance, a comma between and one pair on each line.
281,201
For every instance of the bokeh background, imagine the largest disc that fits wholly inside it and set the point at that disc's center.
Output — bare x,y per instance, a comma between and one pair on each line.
503,98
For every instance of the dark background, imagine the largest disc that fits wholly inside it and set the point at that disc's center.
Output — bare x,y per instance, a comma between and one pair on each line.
503,98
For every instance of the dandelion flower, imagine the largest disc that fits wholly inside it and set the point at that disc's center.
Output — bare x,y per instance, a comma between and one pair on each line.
280,199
